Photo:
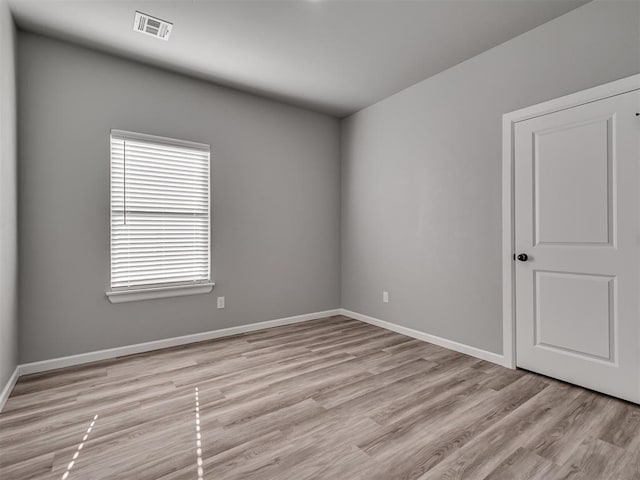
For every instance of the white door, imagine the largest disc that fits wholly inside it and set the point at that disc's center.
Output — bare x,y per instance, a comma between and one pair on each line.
577,219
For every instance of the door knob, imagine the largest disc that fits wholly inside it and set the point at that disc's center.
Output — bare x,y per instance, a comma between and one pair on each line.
523,257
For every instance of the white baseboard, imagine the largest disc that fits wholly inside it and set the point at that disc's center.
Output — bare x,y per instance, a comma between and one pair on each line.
443,342
55,363
45,365
6,391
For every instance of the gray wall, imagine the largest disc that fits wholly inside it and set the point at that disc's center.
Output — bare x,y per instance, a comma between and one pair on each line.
8,200
276,200
421,173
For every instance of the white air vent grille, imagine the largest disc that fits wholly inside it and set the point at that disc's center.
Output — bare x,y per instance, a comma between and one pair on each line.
153,26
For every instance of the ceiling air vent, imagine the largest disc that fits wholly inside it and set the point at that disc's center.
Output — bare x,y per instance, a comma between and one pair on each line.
153,26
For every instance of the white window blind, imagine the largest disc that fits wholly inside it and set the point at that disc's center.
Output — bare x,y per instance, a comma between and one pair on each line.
159,212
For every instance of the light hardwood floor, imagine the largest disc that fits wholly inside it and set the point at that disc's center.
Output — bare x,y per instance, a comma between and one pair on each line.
329,399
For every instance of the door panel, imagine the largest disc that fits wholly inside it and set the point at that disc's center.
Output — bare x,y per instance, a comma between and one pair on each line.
577,218
566,304
578,155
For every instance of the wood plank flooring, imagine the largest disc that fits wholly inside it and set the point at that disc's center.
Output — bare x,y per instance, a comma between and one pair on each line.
328,399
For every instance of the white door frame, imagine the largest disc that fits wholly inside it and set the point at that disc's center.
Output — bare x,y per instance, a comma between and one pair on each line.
509,120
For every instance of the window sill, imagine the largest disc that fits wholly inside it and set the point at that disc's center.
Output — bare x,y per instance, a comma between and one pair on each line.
121,296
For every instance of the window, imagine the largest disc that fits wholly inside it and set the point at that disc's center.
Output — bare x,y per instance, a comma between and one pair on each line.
160,232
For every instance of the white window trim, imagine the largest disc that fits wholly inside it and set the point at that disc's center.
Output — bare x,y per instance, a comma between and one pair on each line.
138,294
156,139
122,296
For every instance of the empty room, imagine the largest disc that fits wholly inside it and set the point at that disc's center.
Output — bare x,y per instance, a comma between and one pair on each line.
319,239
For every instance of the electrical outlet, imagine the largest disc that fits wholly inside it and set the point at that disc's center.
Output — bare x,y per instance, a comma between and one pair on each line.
220,302
385,296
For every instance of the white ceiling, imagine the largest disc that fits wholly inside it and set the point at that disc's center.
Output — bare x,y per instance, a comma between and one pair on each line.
334,56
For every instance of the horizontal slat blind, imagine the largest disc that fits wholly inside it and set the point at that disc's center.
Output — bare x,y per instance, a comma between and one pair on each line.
159,212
